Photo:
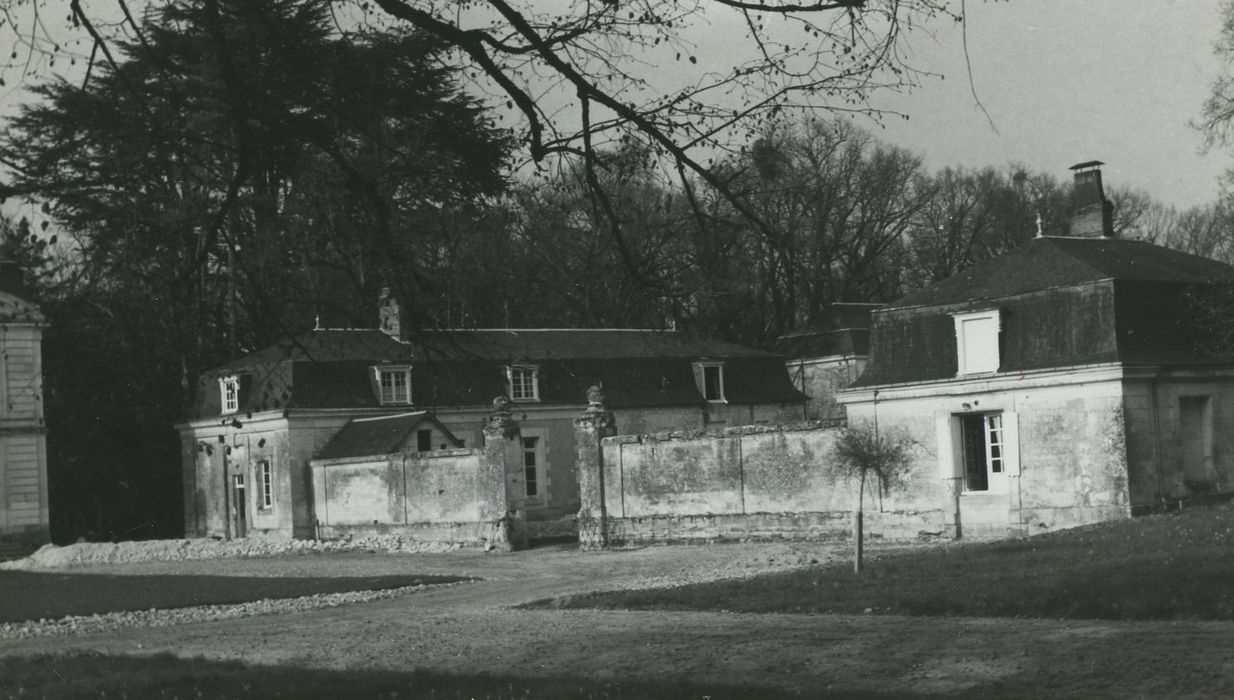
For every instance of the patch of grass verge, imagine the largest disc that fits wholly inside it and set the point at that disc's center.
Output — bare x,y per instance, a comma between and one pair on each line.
166,676
1174,566
53,595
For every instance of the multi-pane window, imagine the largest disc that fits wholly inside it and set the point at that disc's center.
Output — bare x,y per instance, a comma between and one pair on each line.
394,384
531,466
266,476
229,387
984,451
994,442
524,383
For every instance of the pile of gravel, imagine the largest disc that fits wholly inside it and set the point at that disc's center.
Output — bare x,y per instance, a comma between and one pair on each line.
104,622
95,553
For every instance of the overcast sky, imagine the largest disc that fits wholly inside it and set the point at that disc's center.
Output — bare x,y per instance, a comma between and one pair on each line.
1064,81
1068,81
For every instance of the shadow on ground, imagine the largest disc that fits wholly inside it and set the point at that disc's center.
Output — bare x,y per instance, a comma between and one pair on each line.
32,596
97,675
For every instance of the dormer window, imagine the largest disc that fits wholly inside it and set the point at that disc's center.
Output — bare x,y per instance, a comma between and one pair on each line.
976,340
229,391
393,384
524,382
710,379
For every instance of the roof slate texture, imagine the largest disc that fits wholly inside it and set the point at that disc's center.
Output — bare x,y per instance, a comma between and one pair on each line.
845,330
1063,302
14,309
638,368
1052,261
380,435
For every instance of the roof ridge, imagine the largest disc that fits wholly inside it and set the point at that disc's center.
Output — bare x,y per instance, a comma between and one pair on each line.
369,419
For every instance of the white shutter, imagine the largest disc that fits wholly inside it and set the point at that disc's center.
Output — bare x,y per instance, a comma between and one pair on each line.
1011,442
945,432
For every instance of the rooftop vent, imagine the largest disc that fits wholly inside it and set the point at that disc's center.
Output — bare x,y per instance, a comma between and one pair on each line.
1092,215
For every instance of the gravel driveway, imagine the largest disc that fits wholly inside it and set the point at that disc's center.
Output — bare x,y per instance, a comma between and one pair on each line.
471,627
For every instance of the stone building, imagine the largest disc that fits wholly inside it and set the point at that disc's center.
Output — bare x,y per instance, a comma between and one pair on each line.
24,516
260,420
828,356
1070,381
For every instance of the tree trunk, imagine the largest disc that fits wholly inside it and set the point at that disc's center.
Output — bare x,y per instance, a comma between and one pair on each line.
858,539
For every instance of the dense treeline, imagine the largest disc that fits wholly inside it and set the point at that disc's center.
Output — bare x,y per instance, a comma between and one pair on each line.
207,203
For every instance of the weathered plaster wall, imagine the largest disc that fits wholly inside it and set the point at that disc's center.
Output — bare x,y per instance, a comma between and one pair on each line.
743,483
1067,430
444,496
212,455
821,379
553,424
1155,436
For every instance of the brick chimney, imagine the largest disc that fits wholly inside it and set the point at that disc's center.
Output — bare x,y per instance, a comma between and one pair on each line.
1092,215
388,316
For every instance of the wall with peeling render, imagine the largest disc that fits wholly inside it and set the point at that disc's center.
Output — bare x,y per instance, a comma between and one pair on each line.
753,482
1066,433
453,495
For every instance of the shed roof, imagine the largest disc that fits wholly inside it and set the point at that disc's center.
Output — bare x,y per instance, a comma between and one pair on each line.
379,435
1052,261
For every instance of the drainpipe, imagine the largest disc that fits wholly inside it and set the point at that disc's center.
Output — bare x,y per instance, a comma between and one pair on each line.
1156,438
226,495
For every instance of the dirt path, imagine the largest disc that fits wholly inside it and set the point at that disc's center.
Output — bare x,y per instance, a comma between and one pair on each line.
468,628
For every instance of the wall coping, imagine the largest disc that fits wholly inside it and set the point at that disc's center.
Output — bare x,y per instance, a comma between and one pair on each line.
365,459
718,433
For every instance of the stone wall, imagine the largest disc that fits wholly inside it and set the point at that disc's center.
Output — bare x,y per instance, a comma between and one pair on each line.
748,483
1066,447
444,496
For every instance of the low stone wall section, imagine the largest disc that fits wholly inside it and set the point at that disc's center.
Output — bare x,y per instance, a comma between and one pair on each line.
449,496
748,483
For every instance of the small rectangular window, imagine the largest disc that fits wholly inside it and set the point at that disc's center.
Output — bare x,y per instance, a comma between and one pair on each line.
230,391
424,441
393,385
977,341
524,383
266,474
710,378
531,466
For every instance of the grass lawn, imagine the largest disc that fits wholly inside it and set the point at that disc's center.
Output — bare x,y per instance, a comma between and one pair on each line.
33,596
166,676
1171,566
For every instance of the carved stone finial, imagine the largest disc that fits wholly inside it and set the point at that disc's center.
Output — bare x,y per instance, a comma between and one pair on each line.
595,399
500,420
501,404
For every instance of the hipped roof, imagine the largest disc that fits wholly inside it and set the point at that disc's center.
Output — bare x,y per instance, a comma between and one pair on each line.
1051,261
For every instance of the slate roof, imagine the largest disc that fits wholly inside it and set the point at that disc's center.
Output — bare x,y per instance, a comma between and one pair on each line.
845,330
14,309
379,435
332,369
540,344
1063,302
1052,261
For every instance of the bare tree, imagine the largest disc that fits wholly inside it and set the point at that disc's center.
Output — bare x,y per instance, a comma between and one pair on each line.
584,75
860,452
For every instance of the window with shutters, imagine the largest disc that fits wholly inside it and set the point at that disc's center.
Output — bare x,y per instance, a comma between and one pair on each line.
976,339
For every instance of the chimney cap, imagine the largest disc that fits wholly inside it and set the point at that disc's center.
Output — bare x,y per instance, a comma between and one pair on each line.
1087,164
